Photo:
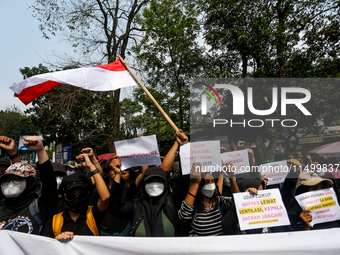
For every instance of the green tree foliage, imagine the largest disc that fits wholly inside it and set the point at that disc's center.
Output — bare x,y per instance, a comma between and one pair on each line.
14,123
170,55
282,38
98,30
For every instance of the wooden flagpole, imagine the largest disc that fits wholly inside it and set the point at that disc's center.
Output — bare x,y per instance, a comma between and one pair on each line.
149,94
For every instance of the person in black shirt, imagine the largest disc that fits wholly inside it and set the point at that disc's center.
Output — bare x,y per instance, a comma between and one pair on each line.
23,211
79,218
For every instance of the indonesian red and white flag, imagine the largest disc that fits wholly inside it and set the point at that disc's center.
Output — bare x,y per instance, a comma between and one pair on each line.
100,78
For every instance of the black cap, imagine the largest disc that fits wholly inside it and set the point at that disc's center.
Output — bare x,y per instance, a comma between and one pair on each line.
154,172
76,180
5,161
58,167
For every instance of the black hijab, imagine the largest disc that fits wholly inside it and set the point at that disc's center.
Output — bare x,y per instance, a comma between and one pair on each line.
152,207
25,198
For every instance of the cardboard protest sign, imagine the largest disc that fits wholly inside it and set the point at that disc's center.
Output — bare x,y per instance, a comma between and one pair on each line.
205,152
239,159
322,203
265,209
276,172
141,151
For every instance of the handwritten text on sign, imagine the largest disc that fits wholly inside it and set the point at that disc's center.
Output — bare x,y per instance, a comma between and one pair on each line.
322,203
206,152
239,159
265,209
142,151
276,172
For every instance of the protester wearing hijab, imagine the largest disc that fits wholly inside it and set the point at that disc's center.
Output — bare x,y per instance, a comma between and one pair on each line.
80,216
154,214
18,184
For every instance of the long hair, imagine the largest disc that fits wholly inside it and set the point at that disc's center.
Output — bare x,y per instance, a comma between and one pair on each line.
199,196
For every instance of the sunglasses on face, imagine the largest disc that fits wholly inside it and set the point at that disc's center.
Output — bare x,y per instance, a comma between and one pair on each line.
72,196
15,179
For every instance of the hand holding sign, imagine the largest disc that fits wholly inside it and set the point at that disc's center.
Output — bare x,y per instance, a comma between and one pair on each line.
230,169
195,174
306,217
116,165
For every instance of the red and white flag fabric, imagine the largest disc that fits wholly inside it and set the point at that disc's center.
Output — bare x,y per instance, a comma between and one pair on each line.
100,78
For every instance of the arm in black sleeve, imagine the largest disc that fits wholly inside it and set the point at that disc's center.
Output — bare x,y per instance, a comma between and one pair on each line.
116,208
288,189
49,194
48,231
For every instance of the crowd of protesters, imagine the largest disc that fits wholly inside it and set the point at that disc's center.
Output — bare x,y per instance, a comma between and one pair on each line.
95,197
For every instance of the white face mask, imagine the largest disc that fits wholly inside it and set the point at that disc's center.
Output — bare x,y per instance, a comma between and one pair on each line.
208,190
59,180
13,190
154,189
69,172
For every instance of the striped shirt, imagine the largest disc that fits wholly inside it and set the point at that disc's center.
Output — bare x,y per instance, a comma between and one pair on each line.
208,222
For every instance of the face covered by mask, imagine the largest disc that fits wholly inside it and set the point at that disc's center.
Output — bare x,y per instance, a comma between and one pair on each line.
69,172
208,190
13,189
154,189
77,200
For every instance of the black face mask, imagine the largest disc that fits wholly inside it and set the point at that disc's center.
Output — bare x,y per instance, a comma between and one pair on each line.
76,205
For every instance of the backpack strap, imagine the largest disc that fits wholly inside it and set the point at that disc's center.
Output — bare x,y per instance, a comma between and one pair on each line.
35,212
57,223
90,221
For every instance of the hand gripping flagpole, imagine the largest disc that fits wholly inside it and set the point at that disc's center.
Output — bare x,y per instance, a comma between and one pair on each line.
149,94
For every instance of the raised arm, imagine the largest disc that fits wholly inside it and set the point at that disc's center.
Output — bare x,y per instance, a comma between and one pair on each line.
195,179
230,170
8,144
93,158
103,192
49,193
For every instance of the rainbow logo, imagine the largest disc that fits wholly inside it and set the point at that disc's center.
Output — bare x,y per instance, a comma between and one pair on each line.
204,98
209,93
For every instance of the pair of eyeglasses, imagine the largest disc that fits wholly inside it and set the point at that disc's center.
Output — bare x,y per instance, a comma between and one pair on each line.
15,179
72,196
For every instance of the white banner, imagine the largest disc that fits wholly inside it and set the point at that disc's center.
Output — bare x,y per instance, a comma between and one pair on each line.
205,152
265,209
141,151
322,203
276,172
240,159
302,242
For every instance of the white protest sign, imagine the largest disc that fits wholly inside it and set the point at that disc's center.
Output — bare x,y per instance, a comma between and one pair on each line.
142,151
322,203
276,172
205,152
265,209
239,159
